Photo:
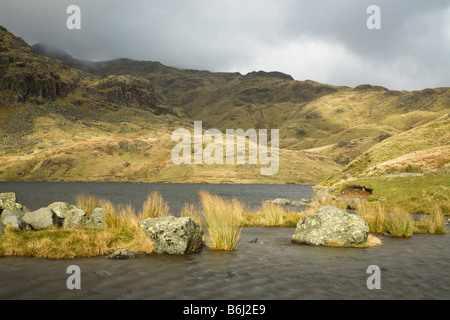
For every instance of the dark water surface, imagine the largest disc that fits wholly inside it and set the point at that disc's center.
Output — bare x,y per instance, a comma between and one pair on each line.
272,268
35,195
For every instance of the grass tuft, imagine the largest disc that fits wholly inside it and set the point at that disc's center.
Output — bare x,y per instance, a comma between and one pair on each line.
433,223
222,222
155,206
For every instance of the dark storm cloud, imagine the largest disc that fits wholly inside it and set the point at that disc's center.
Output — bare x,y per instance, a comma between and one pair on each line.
324,40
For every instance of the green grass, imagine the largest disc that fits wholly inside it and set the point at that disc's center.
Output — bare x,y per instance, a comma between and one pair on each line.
400,224
272,214
121,232
413,194
223,225
155,206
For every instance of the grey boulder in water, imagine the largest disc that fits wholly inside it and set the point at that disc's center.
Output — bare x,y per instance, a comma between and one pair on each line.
171,235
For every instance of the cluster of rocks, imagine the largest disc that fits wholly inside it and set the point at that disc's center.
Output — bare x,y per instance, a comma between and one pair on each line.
331,224
59,214
171,235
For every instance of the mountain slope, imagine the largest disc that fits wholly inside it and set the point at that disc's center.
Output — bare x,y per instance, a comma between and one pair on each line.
106,127
63,119
337,122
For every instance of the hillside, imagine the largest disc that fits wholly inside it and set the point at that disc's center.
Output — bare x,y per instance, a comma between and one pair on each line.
105,127
424,148
64,119
336,122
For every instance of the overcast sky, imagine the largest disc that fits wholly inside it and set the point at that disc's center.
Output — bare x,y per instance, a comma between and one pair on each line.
321,40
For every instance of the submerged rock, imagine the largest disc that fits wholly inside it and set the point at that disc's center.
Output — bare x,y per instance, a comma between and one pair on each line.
281,201
97,219
323,194
40,219
299,204
103,273
8,196
331,224
6,204
171,235
14,222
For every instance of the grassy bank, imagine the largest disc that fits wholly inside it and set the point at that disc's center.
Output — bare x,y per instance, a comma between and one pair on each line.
221,219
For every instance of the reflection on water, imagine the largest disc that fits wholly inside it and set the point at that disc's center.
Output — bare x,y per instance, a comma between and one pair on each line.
35,195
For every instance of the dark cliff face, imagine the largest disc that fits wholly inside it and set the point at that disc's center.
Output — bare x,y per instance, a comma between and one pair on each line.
128,91
27,76
31,76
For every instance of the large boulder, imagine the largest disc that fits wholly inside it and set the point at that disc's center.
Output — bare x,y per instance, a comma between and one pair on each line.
61,209
2,229
331,224
10,196
281,201
171,235
7,204
74,218
40,219
13,218
123,254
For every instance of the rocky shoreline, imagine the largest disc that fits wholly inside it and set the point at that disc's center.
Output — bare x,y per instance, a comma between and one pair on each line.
172,235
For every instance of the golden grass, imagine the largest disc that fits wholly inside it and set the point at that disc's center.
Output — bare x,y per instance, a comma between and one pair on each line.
222,222
121,232
87,203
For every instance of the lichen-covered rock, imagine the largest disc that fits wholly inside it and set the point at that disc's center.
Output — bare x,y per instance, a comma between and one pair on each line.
331,224
171,235
14,222
97,219
323,194
74,218
10,196
40,219
7,204
281,201
61,209
123,254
